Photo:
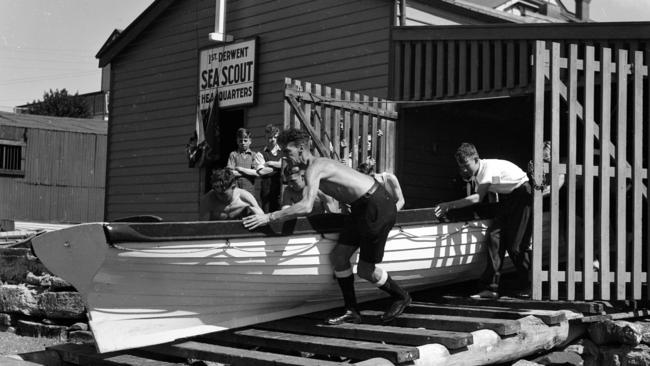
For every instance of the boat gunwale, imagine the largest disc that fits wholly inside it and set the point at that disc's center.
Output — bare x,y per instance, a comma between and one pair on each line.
123,232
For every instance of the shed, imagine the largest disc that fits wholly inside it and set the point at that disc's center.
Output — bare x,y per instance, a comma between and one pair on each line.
52,169
156,79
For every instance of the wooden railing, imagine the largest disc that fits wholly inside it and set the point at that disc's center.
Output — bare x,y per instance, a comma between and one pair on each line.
604,254
344,125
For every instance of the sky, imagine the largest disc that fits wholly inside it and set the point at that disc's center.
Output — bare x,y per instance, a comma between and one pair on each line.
51,44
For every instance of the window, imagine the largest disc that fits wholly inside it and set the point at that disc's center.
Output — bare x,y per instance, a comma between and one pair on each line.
12,160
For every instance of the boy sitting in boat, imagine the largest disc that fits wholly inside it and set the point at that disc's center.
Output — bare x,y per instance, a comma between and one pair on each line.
373,214
386,179
514,212
293,193
225,201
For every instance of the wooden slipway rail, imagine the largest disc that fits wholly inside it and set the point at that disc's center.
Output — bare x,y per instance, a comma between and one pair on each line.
452,331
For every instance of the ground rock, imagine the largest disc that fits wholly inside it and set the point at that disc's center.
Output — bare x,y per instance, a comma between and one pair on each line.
526,363
33,329
615,332
78,326
62,305
18,299
587,349
81,336
47,280
625,355
560,358
5,322
15,263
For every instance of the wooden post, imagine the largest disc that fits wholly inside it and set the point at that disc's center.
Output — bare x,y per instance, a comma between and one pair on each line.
637,175
570,175
538,145
605,128
621,181
588,175
555,153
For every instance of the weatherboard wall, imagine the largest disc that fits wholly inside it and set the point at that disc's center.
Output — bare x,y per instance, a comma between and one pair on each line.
64,176
154,88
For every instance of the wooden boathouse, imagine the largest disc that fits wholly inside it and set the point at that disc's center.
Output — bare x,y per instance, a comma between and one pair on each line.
52,169
347,70
161,73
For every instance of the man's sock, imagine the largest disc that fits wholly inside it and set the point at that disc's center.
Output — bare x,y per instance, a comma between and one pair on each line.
346,284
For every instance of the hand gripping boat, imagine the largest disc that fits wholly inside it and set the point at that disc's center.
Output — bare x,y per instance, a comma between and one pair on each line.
150,283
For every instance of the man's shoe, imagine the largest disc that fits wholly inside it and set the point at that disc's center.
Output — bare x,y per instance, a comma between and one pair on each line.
396,309
350,316
486,294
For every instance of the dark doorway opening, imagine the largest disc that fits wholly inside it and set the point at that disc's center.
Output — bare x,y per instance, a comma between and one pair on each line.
229,121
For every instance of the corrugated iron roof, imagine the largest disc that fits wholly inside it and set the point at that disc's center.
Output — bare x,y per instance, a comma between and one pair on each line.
81,125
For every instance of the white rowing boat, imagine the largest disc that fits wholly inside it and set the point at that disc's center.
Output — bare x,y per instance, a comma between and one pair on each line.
150,283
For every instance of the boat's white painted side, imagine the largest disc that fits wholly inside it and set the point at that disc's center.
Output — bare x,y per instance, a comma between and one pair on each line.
140,294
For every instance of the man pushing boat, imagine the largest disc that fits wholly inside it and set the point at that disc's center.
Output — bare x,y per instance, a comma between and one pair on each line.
372,217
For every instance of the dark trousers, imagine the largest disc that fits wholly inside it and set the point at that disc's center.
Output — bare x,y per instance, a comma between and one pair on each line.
514,221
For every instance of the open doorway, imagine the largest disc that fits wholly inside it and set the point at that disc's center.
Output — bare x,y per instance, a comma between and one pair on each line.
229,121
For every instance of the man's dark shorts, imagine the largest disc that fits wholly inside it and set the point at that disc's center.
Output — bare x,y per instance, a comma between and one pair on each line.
371,219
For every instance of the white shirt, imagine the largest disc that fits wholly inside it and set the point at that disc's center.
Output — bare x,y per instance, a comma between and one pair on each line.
502,176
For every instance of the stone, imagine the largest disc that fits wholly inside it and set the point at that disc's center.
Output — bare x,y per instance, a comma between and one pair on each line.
615,332
78,326
5,322
33,329
584,347
526,363
560,358
18,299
5,319
47,280
645,331
15,263
626,355
61,305
81,336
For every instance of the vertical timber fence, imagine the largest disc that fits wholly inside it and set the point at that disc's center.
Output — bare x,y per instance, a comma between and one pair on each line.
344,125
591,102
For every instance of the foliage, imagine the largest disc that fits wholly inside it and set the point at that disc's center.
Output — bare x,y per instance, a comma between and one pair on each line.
61,104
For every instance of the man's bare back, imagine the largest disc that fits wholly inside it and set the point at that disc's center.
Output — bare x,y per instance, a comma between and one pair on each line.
337,180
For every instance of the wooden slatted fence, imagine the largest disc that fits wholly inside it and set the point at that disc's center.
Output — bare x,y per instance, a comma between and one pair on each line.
595,121
347,125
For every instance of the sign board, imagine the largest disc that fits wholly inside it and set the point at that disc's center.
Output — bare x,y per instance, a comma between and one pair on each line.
227,72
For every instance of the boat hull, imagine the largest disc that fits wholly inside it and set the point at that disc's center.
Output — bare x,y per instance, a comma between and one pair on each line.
144,289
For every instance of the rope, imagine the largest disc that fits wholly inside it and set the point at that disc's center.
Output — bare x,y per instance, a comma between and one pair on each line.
227,246
437,236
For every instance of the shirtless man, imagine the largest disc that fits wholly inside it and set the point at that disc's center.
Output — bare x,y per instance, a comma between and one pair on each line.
225,201
386,179
293,194
372,217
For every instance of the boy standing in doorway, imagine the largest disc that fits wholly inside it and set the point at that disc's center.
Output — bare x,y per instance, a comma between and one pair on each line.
271,188
244,162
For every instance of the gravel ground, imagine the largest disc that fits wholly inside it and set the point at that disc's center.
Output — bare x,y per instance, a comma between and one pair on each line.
11,344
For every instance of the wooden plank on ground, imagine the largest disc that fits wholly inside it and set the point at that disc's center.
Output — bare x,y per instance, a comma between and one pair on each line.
549,317
235,356
318,345
584,307
502,327
86,355
373,333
